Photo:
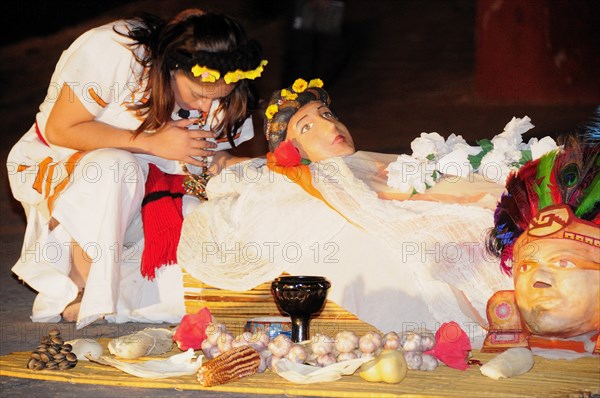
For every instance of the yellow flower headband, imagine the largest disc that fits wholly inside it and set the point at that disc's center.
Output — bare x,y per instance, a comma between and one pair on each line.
286,95
212,75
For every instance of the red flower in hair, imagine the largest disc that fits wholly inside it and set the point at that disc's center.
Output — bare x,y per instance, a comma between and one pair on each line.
286,154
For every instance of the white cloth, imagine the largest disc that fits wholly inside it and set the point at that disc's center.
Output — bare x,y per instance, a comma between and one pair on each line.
398,265
100,206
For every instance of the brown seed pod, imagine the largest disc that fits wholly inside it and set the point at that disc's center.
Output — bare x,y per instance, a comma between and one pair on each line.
66,348
57,340
35,355
64,365
42,348
54,333
52,350
39,365
44,357
71,357
59,357
52,365
31,363
46,340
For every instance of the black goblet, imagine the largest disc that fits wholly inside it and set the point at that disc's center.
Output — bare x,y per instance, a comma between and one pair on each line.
300,297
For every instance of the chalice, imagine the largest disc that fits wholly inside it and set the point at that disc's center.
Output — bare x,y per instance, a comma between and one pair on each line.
300,297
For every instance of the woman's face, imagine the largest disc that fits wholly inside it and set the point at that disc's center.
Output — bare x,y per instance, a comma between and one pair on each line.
192,94
318,134
557,288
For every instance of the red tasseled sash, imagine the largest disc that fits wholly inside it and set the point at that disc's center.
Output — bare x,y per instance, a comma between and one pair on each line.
162,218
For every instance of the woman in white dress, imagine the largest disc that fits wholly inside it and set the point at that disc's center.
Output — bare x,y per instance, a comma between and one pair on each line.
107,161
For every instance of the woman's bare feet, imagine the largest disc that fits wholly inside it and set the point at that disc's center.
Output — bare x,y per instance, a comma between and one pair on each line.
71,311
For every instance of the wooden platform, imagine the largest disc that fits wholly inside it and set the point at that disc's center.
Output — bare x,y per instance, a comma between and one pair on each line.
235,308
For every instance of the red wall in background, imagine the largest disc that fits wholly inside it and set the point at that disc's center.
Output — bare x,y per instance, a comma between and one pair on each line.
538,51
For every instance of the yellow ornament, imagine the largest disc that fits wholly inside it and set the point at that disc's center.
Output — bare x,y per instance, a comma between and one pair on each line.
315,83
208,75
299,85
288,95
271,111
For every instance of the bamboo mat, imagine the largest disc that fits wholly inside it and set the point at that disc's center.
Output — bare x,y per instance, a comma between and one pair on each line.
548,378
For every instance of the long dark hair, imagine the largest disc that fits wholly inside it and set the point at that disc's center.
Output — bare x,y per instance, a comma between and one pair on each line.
193,36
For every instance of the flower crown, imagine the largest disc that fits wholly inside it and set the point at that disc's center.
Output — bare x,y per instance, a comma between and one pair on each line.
286,95
233,66
212,75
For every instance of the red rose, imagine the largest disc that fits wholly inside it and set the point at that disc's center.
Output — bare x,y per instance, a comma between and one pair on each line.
191,332
286,154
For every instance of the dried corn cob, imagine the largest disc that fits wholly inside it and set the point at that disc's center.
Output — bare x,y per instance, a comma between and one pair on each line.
232,364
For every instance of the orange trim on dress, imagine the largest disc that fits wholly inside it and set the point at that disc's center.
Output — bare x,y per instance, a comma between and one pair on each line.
97,98
69,167
39,178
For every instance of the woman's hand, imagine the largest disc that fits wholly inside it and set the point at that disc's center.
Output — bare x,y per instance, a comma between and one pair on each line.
222,160
176,142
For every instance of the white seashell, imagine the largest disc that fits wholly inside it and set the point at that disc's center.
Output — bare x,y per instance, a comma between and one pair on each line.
512,362
81,347
149,341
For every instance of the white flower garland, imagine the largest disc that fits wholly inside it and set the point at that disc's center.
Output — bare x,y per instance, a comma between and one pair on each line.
494,159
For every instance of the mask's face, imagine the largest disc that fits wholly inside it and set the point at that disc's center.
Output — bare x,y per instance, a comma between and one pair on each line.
194,94
318,134
557,288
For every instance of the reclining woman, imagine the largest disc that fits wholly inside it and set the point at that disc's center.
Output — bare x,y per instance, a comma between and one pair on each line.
312,208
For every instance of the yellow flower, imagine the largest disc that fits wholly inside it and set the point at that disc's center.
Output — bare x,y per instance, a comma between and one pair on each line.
271,111
208,75
237,75
315,83
299,85
288,95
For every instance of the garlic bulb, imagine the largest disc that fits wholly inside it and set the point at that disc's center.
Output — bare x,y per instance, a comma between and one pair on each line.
326,360
346,341
321,344
370,342
225,342
414,359
411,341
346,356
427,341
242,340
391,341
429,362
265,360
297,354
213,332
280,345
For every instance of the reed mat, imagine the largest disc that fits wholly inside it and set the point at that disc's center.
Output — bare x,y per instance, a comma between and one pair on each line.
548,378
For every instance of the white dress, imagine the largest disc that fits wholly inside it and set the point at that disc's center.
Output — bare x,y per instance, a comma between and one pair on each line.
96,196
398,265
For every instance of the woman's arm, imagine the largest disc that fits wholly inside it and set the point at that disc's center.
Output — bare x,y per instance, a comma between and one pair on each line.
71,125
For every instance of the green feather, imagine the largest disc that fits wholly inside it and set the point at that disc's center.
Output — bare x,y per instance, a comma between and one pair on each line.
591,196
542,188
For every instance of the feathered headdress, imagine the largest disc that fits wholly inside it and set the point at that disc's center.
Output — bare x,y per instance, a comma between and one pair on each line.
567,176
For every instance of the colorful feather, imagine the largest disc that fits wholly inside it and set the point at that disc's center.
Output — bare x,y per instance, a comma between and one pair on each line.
569,175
